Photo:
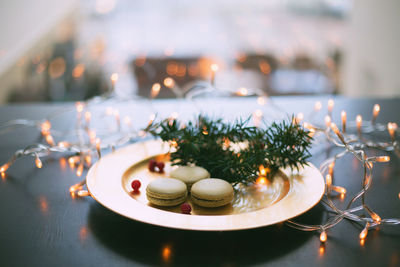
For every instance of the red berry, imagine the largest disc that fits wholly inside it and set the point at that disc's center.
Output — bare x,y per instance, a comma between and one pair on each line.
136,185
160,166
152,165
186,208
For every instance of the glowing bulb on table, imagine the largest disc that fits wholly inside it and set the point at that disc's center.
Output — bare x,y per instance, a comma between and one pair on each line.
323,237
79,107
328,179
383,159
328,121
4,167
318,106
38,162
344,119
364,232
375,112
359,124
331,104
392,127
155,90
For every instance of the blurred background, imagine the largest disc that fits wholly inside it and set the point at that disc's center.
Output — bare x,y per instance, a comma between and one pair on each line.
69,50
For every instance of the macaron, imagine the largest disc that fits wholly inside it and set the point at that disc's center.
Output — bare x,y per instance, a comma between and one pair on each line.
212,193
189,174
166,192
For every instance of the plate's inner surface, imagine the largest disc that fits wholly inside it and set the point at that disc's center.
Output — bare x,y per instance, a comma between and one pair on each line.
246,199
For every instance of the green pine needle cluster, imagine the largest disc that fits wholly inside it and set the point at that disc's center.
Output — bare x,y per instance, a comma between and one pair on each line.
235,151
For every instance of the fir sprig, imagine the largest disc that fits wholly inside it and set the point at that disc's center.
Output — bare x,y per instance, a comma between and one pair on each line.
235,151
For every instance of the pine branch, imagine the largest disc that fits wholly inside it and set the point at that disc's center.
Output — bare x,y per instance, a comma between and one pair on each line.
235,151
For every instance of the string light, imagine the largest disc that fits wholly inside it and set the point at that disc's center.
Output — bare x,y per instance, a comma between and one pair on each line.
364,232
323,237
98,147
155,90
392,127
350,144
343,115
331,104
359,124
38,162
4,167
328,121
318,106
375,112
79,170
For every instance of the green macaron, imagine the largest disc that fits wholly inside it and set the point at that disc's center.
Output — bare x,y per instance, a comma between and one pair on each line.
166,192
212,193
189,174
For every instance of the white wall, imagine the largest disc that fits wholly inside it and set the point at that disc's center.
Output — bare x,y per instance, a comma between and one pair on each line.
372,57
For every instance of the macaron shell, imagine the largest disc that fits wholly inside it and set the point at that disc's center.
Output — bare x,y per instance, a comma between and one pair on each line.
166,202
212,192
212,203
166,192
166,188
189,174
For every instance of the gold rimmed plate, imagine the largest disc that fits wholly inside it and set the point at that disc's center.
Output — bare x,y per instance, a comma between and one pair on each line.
286,196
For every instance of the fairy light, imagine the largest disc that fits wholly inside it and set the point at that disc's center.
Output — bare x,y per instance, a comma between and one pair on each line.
63,144
343,115
155,90
45,126
4,167
214,69
169,82
262,170
323,237
375,113
364,232
299,117
152,118
318,106
261,181
375,217
88,160
88,116
242,91
261,101
392,127
38,162
328,121
98,149
79,170
331,167
83,193
114,78
383,159
79,107
339,189
359,124
328,179
71,162
49,139
331,104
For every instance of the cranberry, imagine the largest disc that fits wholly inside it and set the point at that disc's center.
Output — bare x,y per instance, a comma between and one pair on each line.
160,166
186,208
136,185
152,165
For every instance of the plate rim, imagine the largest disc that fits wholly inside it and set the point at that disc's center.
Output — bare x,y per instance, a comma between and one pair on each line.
158,217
